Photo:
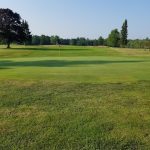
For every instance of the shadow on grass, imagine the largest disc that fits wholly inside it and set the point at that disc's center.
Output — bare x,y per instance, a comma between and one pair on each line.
57,63
47,49
4,68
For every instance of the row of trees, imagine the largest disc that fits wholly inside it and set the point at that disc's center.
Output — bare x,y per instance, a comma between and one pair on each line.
14,29
56,40
115,39
138,43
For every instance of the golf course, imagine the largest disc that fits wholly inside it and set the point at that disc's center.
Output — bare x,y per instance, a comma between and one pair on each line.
74,97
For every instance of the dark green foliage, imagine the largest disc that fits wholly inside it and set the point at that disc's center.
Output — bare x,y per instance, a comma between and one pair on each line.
73,42
55,40
124,34
81,41
35,40
26,32
95,42
145,43
100,41
40,40
114,38
12,28
64,41
44,40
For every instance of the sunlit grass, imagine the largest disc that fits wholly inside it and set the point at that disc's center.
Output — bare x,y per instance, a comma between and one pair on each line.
74,98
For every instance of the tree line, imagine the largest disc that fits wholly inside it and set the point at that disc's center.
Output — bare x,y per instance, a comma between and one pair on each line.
138,43
115,39
13,29
111,41
56,40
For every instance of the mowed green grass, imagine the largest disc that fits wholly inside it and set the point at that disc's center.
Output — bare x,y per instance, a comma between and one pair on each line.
74,98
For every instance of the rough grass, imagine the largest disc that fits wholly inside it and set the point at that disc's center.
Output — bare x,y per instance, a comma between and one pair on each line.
84,98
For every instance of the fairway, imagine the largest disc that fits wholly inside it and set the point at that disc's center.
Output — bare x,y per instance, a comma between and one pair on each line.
75,64
73,97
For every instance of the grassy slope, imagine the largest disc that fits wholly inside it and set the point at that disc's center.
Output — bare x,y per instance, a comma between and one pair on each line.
79,98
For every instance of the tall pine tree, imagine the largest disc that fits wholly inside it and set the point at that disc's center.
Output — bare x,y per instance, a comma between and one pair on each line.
124,34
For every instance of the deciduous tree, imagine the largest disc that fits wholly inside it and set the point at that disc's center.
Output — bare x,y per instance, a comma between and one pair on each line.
12,27
114,38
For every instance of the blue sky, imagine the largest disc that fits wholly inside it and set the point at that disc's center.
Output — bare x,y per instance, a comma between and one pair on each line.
83,18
